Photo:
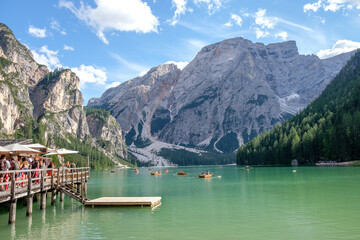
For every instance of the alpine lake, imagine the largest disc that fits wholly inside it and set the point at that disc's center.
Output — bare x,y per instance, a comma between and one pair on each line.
236,203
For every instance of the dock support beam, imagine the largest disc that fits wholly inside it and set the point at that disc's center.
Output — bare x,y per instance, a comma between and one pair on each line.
12,212
43,200
30,196
53,191
61,196
43,192
13,201
29,205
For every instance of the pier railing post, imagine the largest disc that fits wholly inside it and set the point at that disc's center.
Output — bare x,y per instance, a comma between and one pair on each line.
12,210
30,196
43,192
53,190
62,183
81,186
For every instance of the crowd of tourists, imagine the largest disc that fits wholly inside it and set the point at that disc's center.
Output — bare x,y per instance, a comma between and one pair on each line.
21,163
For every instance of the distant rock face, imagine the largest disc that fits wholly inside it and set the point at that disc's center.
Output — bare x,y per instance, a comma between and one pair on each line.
58,103
30,92
230,92
107,133
18,70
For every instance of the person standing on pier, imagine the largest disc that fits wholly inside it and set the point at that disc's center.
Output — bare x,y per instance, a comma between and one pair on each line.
3,176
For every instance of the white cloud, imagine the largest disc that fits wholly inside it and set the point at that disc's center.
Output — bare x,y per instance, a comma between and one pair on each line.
180,65
332,5
56,26
283,35
260,33
113,84
47,57
234,19
181,9
90,74
129,15
135,67
37,32
312,6
264,21
68,48
196,44
341,46
212,5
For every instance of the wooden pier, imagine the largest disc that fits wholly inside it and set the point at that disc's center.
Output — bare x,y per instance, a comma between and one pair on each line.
125,201
69,181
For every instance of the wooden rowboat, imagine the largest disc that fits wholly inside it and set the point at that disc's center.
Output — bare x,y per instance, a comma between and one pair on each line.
205,175
182,173
166,171
156,173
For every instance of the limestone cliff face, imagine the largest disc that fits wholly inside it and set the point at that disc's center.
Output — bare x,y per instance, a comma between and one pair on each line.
58,103
31,93
18,71
232,91
107,132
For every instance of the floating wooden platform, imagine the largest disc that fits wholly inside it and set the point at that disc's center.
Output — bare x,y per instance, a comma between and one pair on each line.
125,201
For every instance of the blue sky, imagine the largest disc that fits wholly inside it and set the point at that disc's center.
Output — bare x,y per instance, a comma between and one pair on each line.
107,42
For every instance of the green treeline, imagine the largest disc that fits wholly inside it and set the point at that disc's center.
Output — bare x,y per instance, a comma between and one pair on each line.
97,158
328,129
182,157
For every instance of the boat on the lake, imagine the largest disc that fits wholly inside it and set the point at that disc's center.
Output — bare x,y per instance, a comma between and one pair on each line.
205,175
156,173
247,167
181,173
112,171
166,171
136,170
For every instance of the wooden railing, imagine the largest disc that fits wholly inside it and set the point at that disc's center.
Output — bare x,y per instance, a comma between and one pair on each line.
37,180
25,183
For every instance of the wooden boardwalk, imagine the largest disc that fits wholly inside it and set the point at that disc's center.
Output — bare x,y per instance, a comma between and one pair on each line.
125,201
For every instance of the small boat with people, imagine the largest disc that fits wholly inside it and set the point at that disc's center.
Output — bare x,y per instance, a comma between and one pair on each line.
156,173
166,171
206,175
181,173
136,170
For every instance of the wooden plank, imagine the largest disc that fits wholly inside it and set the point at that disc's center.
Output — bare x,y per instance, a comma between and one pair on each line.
125,201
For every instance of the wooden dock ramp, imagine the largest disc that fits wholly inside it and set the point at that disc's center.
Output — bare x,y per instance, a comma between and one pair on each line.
125,201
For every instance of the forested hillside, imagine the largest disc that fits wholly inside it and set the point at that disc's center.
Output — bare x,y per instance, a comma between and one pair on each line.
328,129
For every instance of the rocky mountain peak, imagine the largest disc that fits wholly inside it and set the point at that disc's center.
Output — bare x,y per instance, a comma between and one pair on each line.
229,93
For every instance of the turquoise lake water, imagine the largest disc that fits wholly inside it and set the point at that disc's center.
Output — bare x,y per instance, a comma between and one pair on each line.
260,203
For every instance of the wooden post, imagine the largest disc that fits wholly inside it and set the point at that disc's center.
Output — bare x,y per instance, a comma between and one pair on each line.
62,177
85,189
66,177
53,190
61,196
12,211
58,179
30,196
81,186
72,179
43,192
63,174
88,165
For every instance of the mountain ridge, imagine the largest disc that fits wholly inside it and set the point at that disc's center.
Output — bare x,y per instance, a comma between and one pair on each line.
230,92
